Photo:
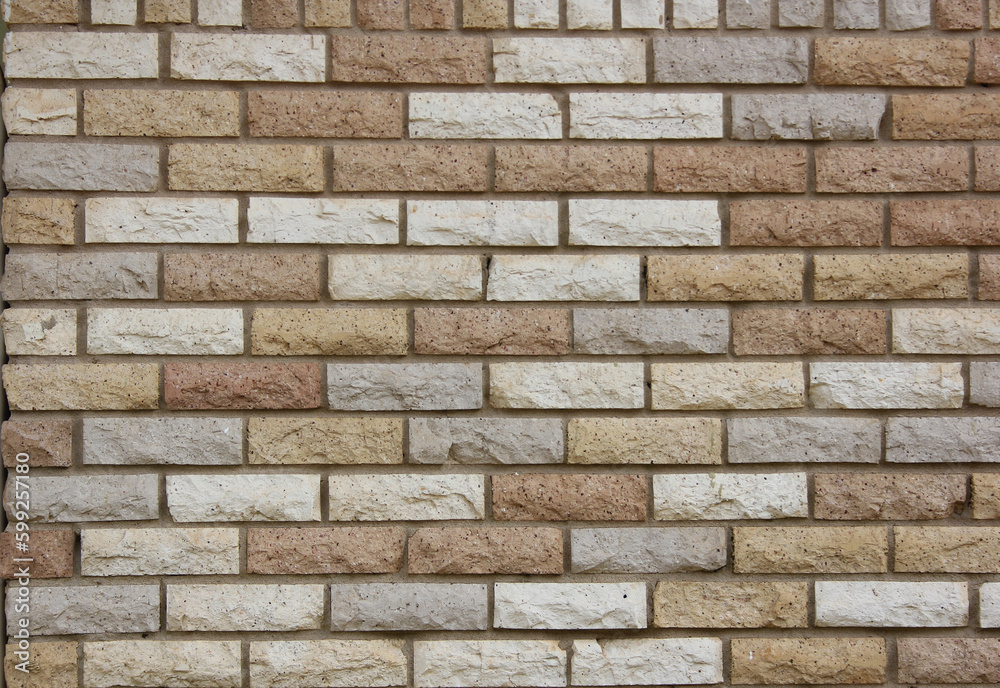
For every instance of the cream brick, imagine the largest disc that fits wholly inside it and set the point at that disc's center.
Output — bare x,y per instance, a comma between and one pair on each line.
907,15
85,55
648,550
984,383
322,221
244,607
989,605
484,116
82,386
689,386
61,499
642,14
885,604
569,605
165,331
135,441
645,115
943,440
247,57
946,331
402,497
696,14
644,440
488,663
189,663
570,60
372,276
162,220
220,12
606,222
886,385
319,440
404,386
39,331
48,111
159,551
566,385
647,662
563,278
278,497
725,496
120,12
589,14
344,663
536,14
482,223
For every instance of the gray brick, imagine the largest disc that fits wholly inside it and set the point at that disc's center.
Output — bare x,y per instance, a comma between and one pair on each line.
748,14
813,440
731,60
71,609
648,550
943,440
81,166
91,498
984,383
793,13
486,440
650,331
907,15
80,276
855,14
408,607
405,386
821,116
165,441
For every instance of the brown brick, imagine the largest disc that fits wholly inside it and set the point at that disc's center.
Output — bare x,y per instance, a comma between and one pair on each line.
345,114
553,497
484,14
683,604
486,550
930,549
725,278
987,69
336,13
799,331
329,332
987,168
241,385
829,549
507,331
949,660
894,169
891,276
47,442
432,14
144,112
879,496
310,440
82,386
325,550
570,168
168,11
959,15
245,167
410,167
52,665
381,14
409,59
733,169
273,14
891,61
51,552
241,277
943,222
946,116
808,660
986,495
44,12
34,220
989,277
805,223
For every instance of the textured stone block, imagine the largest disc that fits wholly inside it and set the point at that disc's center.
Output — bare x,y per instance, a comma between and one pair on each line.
648,550
410,167
82,386
484,115
162,220
800,13
683,604
72,609
592,60
656,661
482,223
165,331
817,116
563,278
806,439
241,385
312,440
41,12
885,604
245,167
589,14
485,440
536,14
987,65
432,14
409,59
221,12
942,440
322,221
80,166
143,112
987,162
604,222
392,277
247,57
50,665
947,550
841,549
906,15
729,496
986,495
891,276
808,660
324,550
690,386
113,12
404,386
945,331
528,551
280,663
83,55
34,220
729,169
203,663
40,111
216,498
569,497
711,60
55,499
696,14
944,222
949,660
989,278
891,61
273,14
571,168
644,441
886,385
404,497
649,331
805,331
943,116
50,550
855,14
396,607
242,607
959,15
894,169
508,331
329,331
159,551
241,277
162,441
47,442
569,605
566,385
485,663
989,605
337,114
645,115
39,331
169,11
381,14
871,496
80,276
805,223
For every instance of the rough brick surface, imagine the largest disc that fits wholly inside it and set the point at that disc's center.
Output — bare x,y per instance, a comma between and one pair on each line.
241,385
891,61
515,331
486,550
868,496
841,549
805,223
569,497
809,660
729,169
409,59
225,277
324,550
775,332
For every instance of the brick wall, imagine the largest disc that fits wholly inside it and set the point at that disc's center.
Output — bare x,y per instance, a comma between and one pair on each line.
484,343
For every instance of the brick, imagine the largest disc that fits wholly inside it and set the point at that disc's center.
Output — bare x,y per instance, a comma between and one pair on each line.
563,278
891,61
408,607
329,332
432,14
947,550
311,440
684,604
570,168
50,665
316,662
569,497
61,499
645,115
482,331
729,496
589,14
958,15
742,14
605,222
987,168
134,441
508,550
884,496
650,331
894,169
569,605
808,331
217,498
537,14
180,331
566,385
134,662
242,607
135,112
221,12
162,220
80,276
805,439
697,60
409,59
32,220
47,442
51,551
402,497
945,331
247,57
644,441
885,604
648,550
596,60
324,550
84,55
989,277
891,276
406,167
989,609
805,223
80,166
484,14
159,551
813,116
987,64
81,386
322,221
985,495
906,15
241,385
696,14
72,609
855,14
841,549
969,222
485,441
949,660
744,385
642,14
482,223
800,13
484,115
642,661
169,11
338,114
484,663
886,385
944,116
336,13
39,331
40,111
942,440
245,167
381,14
41,12
273,14
733,169
808,660
404,386
241,277
113,12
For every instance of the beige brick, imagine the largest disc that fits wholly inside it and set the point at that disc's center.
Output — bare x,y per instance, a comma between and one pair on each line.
569,605
986,495
563,278
507,550
946,331
841,549
284,441
336,13
214,664
806,331
891,276
987,168
646,661
38,220
987,69
406,167
733,169
245,167
343,114
267,497
480,331
931,549
570,168
381,14
50,665
885,496
40,111
39,331
943,116
247,57
775,277
168,11
84,55
159,551
671,441
690,386
144,112
385,277
808,660
484,14
407,497
329,332
805,223
165,331
244,607
569,497
484,663
892,169
220,12
409,59
683,604
566,385
432,14
241,277
891,61
949,660
945,222
82,386
324,550
155,220
41,11
274,664
989,277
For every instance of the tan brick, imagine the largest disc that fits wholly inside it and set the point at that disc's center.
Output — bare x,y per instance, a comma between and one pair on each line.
345,114
949,660
144,112
553,497
683,604
51,552
891,276
241,385
944,222
432,14
47,442
808,660
989,277
52,665
987,69
805,223
725,278
645,441
929,549
943,116
727,385
994,15
406,167
733,169
958,15
987,168
336,13
409,59
241,276
329,332
507,331
245,167
891,61
82,386
803,331
570,168
381,14
484,14
871,496
168,11
986,495
325,440
895,169
324,550
33,220
486,550
43,12
841,549
273,14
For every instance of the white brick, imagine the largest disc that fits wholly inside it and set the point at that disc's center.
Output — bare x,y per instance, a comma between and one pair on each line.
855,14
569,605
48,111
642,14
277,497
392,607
567,385
61,499
484,116
946,330
188,663
907,15
648,550
605,222
645,115
795,439
342,663
182,331
372,276
90,55
220,12
807,116
482,223
984,383
743,385
795,13
696,14
564,278
589,14
943,440
39,331
886,385
488,664
322,221
724,496
401,497
162,220
244,607
989,605
570,60
121,12
72,609
536,14
160,551
163,441
647,662
247,57
884,604
404,386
